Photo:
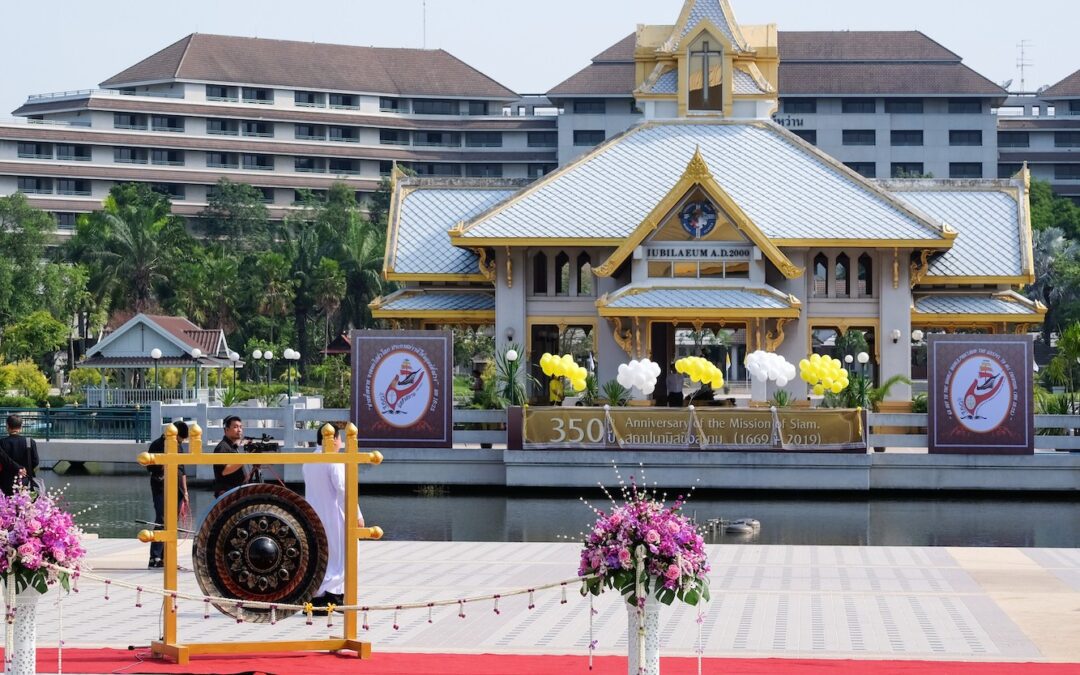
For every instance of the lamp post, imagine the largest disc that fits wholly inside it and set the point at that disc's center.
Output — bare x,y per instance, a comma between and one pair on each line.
197,354
269,356
234,358
290,355
155,354
511,372
863,359
255,357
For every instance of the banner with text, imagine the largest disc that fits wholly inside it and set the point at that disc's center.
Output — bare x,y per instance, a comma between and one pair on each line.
719,429
980,394
401,388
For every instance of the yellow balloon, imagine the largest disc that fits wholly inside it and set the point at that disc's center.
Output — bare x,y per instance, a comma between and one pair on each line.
836,388
827,382
815,359
819,390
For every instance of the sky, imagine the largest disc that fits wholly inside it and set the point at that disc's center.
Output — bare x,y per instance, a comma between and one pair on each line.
529,46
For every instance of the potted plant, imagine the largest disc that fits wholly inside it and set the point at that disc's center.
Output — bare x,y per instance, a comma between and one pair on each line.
614,393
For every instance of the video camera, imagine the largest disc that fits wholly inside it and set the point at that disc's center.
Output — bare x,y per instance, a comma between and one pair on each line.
264,444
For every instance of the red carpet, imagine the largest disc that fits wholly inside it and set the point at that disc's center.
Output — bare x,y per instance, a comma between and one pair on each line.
123,661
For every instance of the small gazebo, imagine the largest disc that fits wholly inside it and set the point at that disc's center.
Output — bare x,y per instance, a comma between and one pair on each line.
143,345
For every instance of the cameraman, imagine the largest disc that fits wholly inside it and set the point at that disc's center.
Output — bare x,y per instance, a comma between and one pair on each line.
229,476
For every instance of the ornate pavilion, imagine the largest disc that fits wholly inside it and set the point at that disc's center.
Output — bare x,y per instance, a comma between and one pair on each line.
709,216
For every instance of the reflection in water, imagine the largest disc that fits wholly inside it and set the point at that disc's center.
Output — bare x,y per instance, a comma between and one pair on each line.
916,521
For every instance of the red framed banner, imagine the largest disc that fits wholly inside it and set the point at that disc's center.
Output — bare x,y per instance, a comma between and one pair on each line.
401,388
980,394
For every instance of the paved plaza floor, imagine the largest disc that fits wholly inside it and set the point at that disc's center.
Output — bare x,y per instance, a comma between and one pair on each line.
970,604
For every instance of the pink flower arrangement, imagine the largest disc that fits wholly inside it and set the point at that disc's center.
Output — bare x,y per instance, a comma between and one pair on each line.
673,560
34,533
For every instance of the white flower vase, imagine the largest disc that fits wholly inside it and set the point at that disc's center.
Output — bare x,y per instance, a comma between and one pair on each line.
643,661
23,659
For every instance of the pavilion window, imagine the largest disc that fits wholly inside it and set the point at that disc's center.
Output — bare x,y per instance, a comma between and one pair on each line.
843,266
540,274
585,275
821,276
562,274
866,276
706,76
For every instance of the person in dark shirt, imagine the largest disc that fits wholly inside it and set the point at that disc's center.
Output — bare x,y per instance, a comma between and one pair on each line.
229,476
157,490
17,453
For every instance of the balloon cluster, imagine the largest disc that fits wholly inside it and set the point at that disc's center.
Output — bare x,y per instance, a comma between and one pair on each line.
564,366
764,366
700,370
823,373
641,374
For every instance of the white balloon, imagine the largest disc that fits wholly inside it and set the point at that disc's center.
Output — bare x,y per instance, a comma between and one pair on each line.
781,381
648,390
761,377
623,368
633,364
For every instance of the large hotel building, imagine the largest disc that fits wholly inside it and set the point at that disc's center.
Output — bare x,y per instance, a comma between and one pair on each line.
285,116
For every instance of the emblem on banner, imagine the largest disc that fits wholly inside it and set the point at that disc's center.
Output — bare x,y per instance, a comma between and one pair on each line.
980,392
401,385
698,219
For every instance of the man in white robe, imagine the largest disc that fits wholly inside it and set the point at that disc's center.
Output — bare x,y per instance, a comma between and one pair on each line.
324,489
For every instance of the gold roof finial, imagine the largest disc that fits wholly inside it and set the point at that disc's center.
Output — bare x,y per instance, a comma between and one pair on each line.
697,170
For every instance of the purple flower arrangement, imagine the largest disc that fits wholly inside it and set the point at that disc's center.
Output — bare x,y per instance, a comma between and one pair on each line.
674,564
34,533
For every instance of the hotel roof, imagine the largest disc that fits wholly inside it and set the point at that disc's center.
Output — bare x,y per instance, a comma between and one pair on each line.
312,65
1067,88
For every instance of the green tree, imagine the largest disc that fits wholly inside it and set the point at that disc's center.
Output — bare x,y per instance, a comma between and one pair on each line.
1048,210
36,337
131,245
23,236
362,259
236,211
328,288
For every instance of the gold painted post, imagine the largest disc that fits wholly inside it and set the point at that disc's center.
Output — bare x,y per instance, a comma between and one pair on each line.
352,533
172,447
194,439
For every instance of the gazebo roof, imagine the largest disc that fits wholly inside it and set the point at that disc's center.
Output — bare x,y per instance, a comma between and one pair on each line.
130,345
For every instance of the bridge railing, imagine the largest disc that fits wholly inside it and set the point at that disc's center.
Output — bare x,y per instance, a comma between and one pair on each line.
131,424
908,430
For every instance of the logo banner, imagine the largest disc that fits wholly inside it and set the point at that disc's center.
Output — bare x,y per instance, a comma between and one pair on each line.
401,388
980,394
729,430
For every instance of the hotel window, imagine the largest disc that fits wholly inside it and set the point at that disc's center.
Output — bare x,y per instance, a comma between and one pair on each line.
843,271
540,274
260,129
257,162
309,99
309,196
478,107
909,138
859,137
222,160
345,134
864,169
800,106
904,106
130,155
562,274
539,170
437,169
167,157
590,107
170,190
1067,139
809,135
965,106
1067,171
1009,170
393,137
866,276
588,137
73,186
483,139
1074,107
34,186
965,137
437,139
35,151
543,139
386,167
965,170
858,106
73,153
310,132
585,275
65,221
344,166
217,92
258,95
129,121
908,170
436,107
219,127
309,165
821,276
1014,139
344,101
266,195
390,105
483,170
169,123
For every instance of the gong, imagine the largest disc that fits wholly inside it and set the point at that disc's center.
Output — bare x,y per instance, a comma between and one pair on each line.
260,543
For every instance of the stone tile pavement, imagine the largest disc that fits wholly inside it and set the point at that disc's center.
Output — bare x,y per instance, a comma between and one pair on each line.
778,601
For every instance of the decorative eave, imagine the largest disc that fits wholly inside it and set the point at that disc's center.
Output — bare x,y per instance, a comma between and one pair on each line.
793,310
682,30
1036,312
697,174
383,308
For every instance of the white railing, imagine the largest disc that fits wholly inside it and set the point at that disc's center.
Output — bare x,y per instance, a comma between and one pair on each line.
908,430
104,398
83,93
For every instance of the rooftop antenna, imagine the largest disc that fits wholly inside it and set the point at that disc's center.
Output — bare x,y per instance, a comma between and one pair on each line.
423,4
1023,62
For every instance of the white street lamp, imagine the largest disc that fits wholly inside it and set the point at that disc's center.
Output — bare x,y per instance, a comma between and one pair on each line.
155,354
234,358
848,358
863,358
917,335
197,354
269,356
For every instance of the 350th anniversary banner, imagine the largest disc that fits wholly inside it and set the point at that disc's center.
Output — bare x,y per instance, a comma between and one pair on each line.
764,430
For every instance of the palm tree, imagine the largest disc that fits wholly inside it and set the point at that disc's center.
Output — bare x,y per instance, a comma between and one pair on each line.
131,244
277,289
364,247
328,288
